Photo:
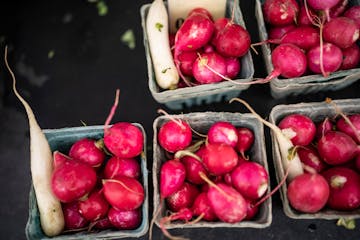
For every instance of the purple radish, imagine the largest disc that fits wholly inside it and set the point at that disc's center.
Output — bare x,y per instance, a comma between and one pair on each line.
73,218
124,219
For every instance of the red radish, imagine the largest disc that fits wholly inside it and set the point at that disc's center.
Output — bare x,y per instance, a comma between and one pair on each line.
308,192
245,140
185,214
341,31
311,159
289,159
116,166
202,207
41,166
193,168
353,13
123,193
351,57
186,61
278,32
323,127
280,12
172,177
94,207
219,25
59,158
344,188
200,10
228,204
357,163
208,48
73,218
250,179
233,40
124,140
103,224
72,180
182,198
288,60
331,59
175,135
299,128
323,5
219,158
87,150
223,132
336,148
251,210
352,129
124,219
209,68
306,16
233,67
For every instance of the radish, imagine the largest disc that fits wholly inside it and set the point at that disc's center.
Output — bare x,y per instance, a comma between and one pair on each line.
331,59
341,31
308,192
344,188
323,6
182,198
124,140
186,61
299,128
351,128
172,177
94,207
193,167
219,158
185,214
250,179
338,9
251,210
351,57
88,151
116,166
124,219
306,16
323,127
290,162
223,132
123,193
41,166
72,217
245,140
103,223
233,40
157,29
209,68
337,148
311,159
202,207
59,159
73,180
288,60
353,13
280,12
175,135
228,204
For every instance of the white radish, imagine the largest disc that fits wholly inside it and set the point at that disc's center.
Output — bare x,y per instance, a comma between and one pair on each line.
41,166
157,28
289,157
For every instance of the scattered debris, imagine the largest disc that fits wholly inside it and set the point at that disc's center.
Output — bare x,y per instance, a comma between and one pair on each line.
128,38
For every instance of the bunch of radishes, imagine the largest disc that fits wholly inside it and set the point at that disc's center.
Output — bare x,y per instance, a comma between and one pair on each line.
209,177
312,36
208,51
329,152
98,181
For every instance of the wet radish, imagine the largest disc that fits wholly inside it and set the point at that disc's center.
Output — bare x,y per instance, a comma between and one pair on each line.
123,193
124,219
308,192
344,188
223,132
88,151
